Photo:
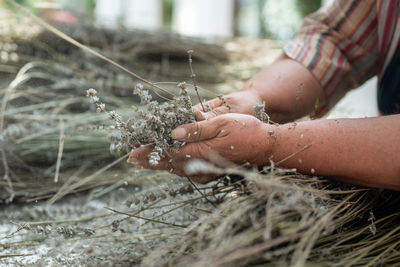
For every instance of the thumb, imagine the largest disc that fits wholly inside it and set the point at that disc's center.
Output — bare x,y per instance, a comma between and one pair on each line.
197,131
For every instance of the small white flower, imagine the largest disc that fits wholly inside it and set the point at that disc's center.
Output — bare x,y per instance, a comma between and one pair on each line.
94,99
112,114
91,92
101,108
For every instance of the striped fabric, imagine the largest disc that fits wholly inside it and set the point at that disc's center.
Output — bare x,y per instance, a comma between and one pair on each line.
348,43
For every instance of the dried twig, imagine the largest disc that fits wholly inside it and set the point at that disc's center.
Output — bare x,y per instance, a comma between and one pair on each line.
193,76
60,151
145,219
294,154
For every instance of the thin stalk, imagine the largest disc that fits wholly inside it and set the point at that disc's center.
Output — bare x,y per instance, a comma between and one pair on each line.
60,151
193,76
146,219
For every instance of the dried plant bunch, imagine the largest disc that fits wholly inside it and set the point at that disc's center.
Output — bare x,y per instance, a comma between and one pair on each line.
154,123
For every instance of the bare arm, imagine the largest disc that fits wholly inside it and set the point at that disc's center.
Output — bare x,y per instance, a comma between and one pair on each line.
288,89
357,151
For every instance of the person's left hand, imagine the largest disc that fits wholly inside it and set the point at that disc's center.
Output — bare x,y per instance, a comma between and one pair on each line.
237,138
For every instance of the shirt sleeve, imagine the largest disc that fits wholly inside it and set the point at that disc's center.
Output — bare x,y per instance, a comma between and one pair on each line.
339,45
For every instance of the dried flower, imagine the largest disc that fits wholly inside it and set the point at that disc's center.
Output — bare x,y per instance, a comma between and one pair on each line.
101,108
91,92
182,85
259,113
154,125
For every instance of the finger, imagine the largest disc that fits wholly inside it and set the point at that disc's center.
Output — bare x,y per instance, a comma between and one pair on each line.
200,116
197,131
139,155
213,103
140,158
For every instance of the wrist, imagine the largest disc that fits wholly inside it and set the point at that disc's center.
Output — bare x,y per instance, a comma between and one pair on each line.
268,144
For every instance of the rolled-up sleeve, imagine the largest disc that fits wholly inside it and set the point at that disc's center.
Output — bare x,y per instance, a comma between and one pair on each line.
339,45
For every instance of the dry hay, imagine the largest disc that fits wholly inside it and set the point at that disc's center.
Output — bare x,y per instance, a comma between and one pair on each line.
276,218
291,220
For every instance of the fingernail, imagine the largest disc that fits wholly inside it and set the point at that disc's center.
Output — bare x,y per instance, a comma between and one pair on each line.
204,115
178,133
200,115
132,158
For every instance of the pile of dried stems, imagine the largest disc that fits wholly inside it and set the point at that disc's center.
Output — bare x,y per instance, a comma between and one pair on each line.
276,217
291,220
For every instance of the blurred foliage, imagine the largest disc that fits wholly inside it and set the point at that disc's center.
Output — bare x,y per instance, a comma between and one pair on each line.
29,3
306,7
168,7
262,29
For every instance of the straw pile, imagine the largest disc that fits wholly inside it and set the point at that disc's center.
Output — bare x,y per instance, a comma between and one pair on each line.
272,218
290,220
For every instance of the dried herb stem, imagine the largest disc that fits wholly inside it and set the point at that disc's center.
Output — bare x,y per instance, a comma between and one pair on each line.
146,219
193,76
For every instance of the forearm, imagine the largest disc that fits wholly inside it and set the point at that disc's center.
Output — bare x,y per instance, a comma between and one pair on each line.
289,90
358,151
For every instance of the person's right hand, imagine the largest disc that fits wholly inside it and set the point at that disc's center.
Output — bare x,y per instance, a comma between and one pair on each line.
239,102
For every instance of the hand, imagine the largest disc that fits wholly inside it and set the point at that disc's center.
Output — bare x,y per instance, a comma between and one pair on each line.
236,138
240,102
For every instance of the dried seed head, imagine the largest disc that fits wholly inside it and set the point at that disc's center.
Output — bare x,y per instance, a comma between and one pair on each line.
101,108
115,225
94,99
112,115
182,85
152,197
91,92
259,113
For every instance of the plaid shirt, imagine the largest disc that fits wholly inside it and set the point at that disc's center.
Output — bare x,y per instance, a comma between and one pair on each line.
347,43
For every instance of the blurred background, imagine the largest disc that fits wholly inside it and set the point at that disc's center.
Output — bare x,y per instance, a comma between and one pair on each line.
210,20
199,18
213,21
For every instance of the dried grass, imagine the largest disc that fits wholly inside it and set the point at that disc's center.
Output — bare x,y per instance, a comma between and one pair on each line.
291,220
